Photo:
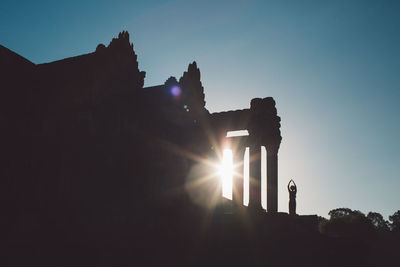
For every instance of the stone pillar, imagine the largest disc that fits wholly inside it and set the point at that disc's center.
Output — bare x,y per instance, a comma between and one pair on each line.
255,177
237,184
272,180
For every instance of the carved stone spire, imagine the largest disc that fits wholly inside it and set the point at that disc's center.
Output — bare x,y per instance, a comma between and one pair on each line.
192,88
120,52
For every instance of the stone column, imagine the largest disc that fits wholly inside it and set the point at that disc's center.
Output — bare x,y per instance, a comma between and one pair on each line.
255,177
272,179
237,183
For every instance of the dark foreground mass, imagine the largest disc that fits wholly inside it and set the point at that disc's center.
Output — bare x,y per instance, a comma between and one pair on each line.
99,171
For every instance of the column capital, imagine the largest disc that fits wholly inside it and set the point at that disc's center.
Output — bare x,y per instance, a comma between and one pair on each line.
272,149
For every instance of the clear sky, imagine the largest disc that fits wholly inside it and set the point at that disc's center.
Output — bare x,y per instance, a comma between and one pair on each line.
333,68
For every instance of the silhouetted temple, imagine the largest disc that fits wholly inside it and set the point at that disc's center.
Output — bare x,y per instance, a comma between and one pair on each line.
90,156
61,97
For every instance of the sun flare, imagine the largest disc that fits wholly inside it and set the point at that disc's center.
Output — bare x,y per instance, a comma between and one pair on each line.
226,173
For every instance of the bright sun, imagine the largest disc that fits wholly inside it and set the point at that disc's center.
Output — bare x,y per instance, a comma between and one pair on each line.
226,172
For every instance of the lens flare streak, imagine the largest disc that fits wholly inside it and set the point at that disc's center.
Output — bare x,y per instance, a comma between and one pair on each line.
226,171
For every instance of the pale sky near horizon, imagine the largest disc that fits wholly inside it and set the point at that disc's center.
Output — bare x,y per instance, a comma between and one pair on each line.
333,68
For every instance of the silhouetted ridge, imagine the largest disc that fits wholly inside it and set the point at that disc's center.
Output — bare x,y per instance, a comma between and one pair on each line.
10,59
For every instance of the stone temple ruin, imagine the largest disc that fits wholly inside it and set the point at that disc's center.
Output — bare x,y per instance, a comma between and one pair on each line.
90,155
262,123
98,170
260,120
101,94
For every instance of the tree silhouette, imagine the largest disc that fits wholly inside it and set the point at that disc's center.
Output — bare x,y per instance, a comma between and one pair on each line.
345,222
342,212
395,222
377,221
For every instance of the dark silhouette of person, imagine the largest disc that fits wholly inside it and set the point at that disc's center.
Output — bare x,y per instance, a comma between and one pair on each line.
292,188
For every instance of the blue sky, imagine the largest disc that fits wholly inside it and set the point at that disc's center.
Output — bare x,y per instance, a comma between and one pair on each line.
332,67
